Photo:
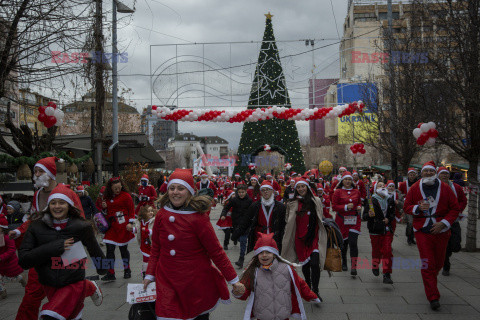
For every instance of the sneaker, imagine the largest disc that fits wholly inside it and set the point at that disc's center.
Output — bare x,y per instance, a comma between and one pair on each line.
239,263
434,304
387,279
446,272
109,277
376,272
97,296
127,274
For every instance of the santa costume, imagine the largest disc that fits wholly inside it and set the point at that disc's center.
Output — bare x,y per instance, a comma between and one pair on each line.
205,183
276,290
444,208
251,190
3,206
325,198
9,267
275,185
184,245
336,179
146,194
398,201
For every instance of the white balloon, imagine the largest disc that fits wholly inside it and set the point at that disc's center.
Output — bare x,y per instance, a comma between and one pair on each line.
154,112
417,132
58,114
432,125
430,142
49,111
424,127
59,123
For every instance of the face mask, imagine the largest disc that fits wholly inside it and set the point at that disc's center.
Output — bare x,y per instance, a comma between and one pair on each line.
382,192
42,181
429,180
144,183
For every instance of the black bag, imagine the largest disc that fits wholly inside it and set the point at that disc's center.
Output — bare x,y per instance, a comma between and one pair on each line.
142,311
455,241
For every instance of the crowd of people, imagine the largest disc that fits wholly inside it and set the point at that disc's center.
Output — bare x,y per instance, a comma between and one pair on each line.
284,219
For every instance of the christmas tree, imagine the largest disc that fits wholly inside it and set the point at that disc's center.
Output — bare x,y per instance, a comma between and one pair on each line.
268,89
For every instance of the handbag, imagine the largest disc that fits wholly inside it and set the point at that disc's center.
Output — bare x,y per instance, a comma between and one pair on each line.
142,311
102,223
333,259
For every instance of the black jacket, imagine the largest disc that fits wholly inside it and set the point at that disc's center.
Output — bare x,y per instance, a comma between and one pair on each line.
42,247
88,206
286,197
239,208
250,221
375,224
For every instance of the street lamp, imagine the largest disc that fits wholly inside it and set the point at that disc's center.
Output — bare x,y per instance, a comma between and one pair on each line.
120,7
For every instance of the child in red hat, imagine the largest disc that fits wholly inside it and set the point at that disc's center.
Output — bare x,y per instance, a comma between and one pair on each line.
272,286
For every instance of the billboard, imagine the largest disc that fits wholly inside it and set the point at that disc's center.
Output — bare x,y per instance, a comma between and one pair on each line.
353,127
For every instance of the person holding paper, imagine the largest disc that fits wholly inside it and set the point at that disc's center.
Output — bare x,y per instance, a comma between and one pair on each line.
53,245
184,245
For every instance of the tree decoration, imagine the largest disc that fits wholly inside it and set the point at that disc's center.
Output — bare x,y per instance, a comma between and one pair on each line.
267,147
325,167
17,161
252,166
426,133
288,166
50,116
357,148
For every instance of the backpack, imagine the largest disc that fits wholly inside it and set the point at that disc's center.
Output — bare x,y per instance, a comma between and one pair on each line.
142,311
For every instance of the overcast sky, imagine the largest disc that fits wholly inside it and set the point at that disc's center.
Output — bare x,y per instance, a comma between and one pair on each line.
169,22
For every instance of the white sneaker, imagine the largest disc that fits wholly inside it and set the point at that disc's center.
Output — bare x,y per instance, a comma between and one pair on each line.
97,297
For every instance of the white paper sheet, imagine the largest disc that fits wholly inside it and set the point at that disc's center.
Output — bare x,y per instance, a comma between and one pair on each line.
136,294
77,252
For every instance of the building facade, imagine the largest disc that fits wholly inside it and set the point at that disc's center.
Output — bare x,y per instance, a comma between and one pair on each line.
158,131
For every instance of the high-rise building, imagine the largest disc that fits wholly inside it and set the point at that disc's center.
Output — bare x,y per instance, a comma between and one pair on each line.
158,130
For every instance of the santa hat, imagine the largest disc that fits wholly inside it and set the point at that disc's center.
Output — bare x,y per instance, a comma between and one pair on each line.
411,170
342,168
281,178
237,175
429,165
144,177
3,222
102,189
302,181
266,184
254,177
228,182
80,189
319,186
354,173
346,174
64,193
203,173
265,242
293,174
183,177
268,175
390,182
442,169
48,165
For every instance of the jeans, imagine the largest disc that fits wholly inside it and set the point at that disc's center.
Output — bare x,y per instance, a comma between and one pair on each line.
243,245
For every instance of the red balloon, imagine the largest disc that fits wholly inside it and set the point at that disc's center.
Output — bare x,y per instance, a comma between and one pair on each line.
41,109
42,117
419,125
154,107
433,133
362,151
52,104
52,120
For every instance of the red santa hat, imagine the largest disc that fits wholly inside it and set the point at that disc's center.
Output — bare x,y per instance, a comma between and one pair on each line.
254,177
293,174
266,184
144,177
228,182
302,181
265,242
390,182
346,174
342,168
319,186
102,189
80,189
3,222
281,178
411,170
429,165
183,177
268,175
237,175
203,173
442,169
354,173
48,165
61,191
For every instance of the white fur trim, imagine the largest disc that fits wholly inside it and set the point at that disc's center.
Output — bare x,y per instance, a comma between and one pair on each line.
346,176
445,222
412,170
414,210
41,166
117,243
266,186
443,170
150,277
266,248
429,167
234,280
62,197
183,183
301,182
50,313
177,211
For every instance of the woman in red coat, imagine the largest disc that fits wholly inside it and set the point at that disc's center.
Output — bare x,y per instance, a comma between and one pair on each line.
184,245
121,214
253,190
347,203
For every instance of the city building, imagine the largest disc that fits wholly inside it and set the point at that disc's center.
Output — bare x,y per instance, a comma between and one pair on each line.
158,131
78,116
317,127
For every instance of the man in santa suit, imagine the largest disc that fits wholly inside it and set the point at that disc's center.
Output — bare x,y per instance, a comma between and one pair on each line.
275,185
403,187
44,179
434,208
264,216
454,243
337,178
146,194
205,183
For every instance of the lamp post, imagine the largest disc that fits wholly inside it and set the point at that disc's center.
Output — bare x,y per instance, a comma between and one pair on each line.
120,7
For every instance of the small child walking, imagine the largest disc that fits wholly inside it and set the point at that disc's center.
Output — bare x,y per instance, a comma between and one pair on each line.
9,268
143,229
272,286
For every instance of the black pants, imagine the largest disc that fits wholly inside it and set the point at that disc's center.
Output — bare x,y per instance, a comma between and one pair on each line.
111,256
454,244
311,271
351,242
227,232
205,316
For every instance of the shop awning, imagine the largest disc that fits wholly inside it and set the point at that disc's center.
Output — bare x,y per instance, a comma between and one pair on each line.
382,168
460,166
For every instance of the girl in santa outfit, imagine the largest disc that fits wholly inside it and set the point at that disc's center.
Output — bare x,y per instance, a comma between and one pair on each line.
184,245
398,200
325,199
225,222
146,194
57,230
121,214
347,204
236,179
9,267
305,238
381,229
143,228
434,208
272,286
253,189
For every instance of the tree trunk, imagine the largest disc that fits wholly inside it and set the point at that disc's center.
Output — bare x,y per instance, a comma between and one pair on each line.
471,238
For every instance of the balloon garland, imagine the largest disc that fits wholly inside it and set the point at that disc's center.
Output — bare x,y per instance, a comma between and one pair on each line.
254,115
425,133
50,116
